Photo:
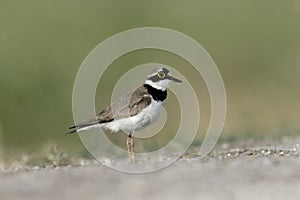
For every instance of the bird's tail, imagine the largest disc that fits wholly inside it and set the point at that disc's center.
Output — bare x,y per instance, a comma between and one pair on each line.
84,126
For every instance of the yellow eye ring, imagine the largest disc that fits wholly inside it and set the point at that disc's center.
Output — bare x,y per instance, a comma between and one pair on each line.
161,75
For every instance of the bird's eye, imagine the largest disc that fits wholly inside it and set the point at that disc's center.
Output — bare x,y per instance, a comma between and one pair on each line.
161,75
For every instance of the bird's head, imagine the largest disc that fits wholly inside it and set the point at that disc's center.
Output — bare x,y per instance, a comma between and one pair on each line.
161,79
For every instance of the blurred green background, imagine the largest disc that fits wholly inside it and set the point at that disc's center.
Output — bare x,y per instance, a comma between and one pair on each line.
255,44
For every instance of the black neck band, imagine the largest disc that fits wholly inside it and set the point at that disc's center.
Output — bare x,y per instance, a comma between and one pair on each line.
157,95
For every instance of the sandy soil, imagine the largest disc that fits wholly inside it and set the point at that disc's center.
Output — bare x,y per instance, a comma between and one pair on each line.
265,172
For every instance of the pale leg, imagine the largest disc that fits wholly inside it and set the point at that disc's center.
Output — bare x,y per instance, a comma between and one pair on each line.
130,148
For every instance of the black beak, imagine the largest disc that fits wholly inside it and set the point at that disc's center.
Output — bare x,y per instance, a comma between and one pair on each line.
175,80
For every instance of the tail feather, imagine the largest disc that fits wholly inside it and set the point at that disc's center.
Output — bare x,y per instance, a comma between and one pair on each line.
72,127
82,126
72,132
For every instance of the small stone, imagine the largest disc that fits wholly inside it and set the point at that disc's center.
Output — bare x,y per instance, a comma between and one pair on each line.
36,168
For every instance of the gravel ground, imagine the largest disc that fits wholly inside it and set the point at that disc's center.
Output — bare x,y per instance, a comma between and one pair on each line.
232,171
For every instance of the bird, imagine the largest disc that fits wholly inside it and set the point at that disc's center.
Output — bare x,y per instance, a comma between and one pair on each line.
134,111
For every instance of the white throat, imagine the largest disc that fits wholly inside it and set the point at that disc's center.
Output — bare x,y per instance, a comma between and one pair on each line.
160,85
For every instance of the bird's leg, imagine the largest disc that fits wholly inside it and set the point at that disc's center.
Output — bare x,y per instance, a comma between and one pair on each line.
128,142
130,147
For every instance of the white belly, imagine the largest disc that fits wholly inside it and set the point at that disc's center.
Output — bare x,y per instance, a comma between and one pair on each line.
135,123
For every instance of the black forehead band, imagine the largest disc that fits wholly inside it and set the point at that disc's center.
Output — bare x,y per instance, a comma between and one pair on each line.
165,70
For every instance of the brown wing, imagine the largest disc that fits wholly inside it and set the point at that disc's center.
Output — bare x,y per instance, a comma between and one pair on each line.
127,106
